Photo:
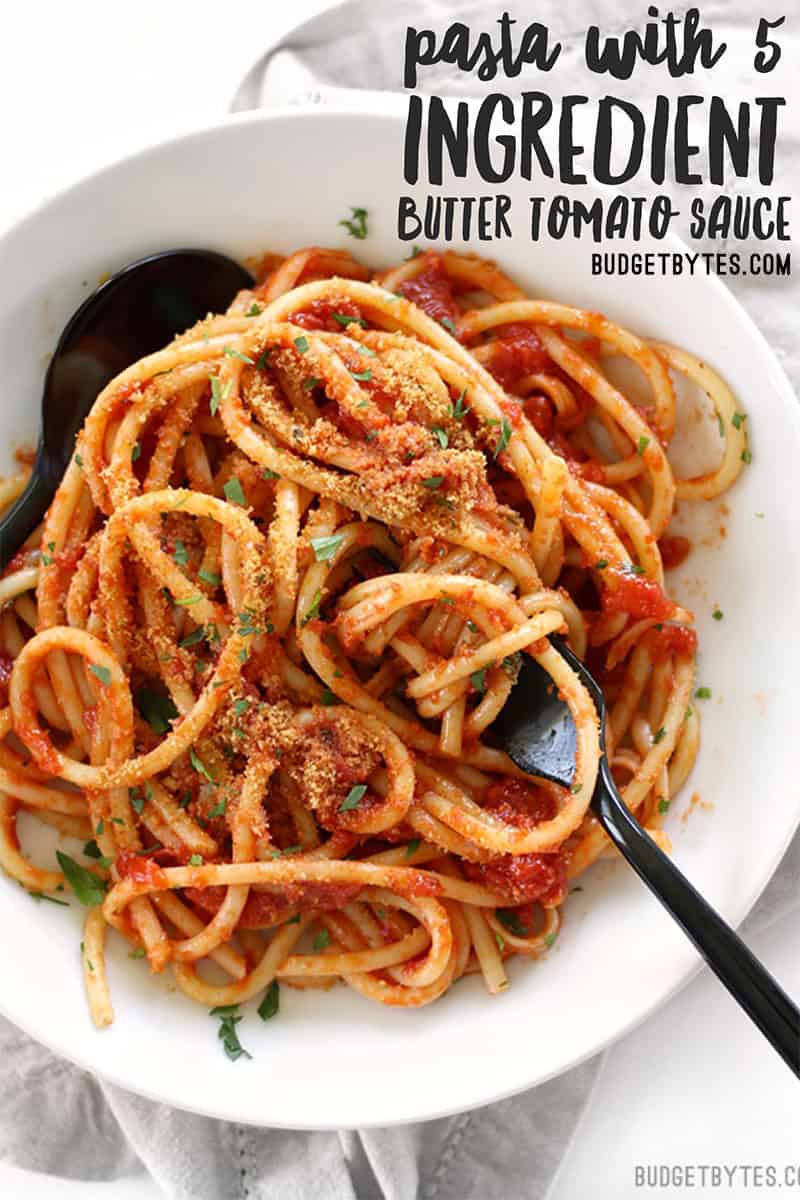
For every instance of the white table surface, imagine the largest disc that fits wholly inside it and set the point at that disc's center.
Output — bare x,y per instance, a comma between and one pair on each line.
84,83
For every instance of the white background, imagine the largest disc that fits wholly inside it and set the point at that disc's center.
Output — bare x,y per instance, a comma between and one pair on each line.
85,83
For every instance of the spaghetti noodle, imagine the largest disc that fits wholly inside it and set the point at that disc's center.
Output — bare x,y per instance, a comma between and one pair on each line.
254,654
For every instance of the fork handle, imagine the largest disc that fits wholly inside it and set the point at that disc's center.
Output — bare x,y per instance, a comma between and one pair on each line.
747,980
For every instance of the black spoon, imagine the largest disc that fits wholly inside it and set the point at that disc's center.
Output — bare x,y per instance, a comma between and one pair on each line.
536,729
138,310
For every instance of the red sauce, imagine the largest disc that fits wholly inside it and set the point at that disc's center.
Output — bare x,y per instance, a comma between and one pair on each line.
141,870
90,719
319,315
431,291
673,639
640,598
6,667
516,351
522,878
674,550
541,414
36,740
518,802
265,908
577,460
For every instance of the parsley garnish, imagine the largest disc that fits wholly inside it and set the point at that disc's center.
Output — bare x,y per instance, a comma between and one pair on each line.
232,353
200,766
136,452
325,547
156,708
210,577
353,797
233,492
509,918
219,809
218,393
747,456
642,444
717,614
433,481
441,436
448,324
478,680
313,610
267,474
663,806
196,860
345,319
87,886
271,1003
659,735
51,899
362,376
322,940
549,938
102,673
703,693
310,384
356,225
458,409
328,698
181,554
412,847
505,434
601,564
737,418
139,952
229,1019
254,310
301,343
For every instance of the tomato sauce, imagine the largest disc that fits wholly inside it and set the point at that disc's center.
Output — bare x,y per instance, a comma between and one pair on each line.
265,908
516,351
673,639
139,869
541,414
523,878
674,550
319,315
431,291
640,598
520,803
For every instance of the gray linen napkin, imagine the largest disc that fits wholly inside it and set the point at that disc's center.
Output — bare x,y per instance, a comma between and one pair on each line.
56,1118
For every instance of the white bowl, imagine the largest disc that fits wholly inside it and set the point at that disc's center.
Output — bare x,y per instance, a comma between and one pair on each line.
335,1059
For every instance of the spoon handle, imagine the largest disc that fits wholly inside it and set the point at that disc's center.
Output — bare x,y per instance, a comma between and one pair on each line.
743,975
23,516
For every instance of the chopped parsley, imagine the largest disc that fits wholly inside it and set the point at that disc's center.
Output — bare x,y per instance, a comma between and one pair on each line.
87,886
232,353
717,614
210,577
200,766
441,436
345,319
301,343
254,310
549,938
703,693
196,860
737,418
353,797
448,324
139,952
137,800
601,564
313,610
322,940
310,384
50,899
505,434
642,444
747,456
325,547
156,708
478,680
433,481
510,918
181,554
328,698
271,1003
459,411
663,805
412,847
362,376
659,735
356,224
267,474
233,492
219,809
229,1019
136,452
102,673
240,707
218,394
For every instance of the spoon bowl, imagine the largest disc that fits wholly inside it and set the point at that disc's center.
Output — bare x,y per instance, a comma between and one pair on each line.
134,313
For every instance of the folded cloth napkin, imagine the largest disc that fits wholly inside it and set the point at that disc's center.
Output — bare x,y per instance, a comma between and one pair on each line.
56,1118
